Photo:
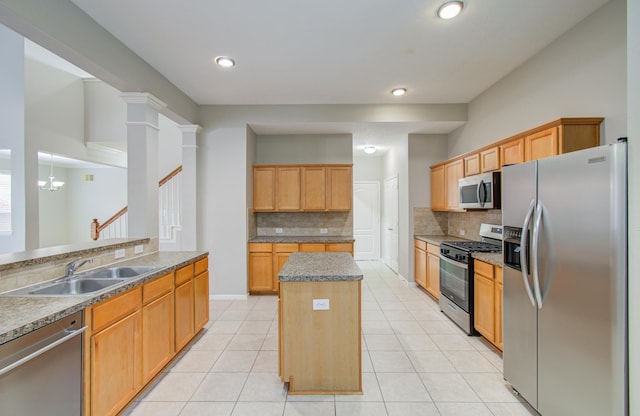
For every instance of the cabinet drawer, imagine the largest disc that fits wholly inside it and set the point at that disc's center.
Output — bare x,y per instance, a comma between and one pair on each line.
422,245
433,249
285,247
483,268
499,274
312,247
106,313
183,274
201,266
157,287
340,247
260,247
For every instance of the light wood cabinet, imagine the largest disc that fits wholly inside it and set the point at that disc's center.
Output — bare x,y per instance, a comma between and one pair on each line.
201,298
472,165
512,152
453,171
433,270
487,299
340,248
420,263
191,301
542,144
438,188
184,318
298,188
288,186
490,159
281,253
158,346
264,188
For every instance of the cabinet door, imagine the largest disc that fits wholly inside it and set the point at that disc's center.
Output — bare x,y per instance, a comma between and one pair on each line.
472,165
116,373
184,327
201,299
437,188
260,272
453,172
541,144
279,259
512,152
498,307
340,247
339,188
312,247
288,189
420,272
483,297
264,191
490,160
314,188
158,345
433,275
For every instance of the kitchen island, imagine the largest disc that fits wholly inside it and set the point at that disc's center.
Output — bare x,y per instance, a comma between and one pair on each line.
320,349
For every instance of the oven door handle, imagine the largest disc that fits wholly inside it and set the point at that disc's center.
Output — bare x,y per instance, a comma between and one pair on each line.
524,250
453,262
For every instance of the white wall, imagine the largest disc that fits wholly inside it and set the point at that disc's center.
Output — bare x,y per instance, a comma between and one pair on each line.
367,168
581,74
633,124
304,148
53,208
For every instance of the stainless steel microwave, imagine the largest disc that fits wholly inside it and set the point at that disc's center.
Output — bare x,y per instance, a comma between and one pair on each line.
480,191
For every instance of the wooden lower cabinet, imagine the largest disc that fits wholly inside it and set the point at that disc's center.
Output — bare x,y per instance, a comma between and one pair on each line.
487,298
420,263
427,267
132,336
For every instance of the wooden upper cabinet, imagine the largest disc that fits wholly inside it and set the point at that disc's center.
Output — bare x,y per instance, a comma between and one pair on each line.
437,188
512,152
288,189
490,159
452,172
339,188
472,165
314,188
542,144
264,188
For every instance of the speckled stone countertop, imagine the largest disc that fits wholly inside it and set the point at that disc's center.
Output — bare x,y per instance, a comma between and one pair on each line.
491,258
437,239
20,315
320,267
302,239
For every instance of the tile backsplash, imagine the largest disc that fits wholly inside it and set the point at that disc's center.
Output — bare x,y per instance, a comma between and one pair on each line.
304,223
459,224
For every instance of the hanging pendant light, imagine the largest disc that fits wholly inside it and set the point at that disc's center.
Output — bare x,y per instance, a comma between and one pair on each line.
50,185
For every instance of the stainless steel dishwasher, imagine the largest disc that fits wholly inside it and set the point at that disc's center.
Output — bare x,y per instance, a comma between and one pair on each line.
41,372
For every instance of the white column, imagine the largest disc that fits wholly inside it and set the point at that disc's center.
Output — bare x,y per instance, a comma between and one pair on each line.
189,236
142,164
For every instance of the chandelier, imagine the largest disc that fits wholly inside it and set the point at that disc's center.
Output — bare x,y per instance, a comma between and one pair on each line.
50,185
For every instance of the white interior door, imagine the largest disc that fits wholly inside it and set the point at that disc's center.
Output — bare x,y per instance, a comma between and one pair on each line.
390,223
366,220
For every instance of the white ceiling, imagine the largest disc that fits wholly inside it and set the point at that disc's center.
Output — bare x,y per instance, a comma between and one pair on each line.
337,51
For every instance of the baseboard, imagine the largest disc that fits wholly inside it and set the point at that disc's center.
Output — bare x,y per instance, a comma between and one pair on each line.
228,297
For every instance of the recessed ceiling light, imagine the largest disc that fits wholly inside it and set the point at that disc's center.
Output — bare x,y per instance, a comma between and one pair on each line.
225,61
369,149
398,92
450,9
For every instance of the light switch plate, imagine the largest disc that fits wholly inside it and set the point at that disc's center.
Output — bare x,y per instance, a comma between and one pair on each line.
321,304
138,249
120,253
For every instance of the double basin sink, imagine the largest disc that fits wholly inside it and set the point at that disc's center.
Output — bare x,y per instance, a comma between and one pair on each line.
90,282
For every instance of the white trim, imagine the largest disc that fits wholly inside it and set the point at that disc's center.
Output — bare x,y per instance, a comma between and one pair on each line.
190,128
228,297
143,123
143,98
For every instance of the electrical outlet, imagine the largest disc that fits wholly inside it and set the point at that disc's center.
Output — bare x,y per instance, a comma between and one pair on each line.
321,304
323,230
138,249
120,253
461,231
279,231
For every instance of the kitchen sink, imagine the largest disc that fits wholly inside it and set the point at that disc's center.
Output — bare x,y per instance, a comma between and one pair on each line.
120,272
75,287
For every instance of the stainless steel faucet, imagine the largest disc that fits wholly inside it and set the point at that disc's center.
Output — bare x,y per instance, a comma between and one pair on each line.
73,266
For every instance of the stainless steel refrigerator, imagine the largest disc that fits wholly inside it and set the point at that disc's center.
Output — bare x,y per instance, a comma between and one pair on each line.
565,282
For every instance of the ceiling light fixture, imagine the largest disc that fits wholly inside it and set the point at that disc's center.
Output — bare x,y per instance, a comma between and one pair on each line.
50,185
369,149
450,9
225,61
399,92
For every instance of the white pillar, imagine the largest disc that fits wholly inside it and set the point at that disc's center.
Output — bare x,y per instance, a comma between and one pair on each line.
189,236
142,164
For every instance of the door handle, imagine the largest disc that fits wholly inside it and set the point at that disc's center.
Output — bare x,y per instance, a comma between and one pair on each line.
534,252
524,241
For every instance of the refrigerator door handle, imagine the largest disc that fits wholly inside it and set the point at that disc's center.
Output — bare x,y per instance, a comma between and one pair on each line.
524,249
534,253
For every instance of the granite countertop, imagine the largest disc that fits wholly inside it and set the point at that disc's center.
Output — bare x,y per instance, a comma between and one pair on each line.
491,258
320,267
23,314
302,239
437,239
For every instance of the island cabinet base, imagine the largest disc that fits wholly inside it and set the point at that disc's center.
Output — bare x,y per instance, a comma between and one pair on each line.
320,350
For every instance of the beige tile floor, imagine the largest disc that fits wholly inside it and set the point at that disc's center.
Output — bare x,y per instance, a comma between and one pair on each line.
415,362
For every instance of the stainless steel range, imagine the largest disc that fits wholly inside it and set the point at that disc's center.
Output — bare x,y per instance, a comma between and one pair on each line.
456,274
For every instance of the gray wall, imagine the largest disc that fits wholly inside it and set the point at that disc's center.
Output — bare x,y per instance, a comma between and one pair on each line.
304,148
